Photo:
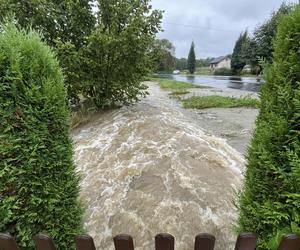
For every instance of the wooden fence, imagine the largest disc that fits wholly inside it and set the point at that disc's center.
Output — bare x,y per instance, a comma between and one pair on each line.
245,241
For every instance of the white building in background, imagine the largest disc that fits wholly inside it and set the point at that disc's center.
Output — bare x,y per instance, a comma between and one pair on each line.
221,62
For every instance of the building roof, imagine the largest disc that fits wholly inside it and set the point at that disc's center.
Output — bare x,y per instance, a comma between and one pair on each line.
218,59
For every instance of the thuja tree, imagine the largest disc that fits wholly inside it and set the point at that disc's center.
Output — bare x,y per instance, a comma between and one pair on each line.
191,61
117,55
38,184
270,200
238,60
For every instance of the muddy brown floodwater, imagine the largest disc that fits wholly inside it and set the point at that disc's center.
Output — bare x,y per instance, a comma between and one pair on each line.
150,168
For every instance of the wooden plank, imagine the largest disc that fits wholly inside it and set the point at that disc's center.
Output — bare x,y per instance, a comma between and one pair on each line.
290,242
204,242
44,242
84,242
8,242
123,242
246,241
164,241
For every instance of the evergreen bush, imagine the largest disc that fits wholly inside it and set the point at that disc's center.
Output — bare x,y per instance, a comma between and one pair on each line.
270,200
222,72
38,184
191,61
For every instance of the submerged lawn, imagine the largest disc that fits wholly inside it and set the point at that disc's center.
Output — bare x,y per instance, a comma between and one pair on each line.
172,84
215,101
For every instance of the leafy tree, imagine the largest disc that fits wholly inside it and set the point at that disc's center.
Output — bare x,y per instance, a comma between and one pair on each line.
270,200
71,59
65,25
117,54
204,62
163,55
38,185
238,59
67,21
191,62
181,64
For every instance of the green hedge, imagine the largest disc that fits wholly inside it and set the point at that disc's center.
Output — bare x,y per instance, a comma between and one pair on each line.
222,72
38,184
270,200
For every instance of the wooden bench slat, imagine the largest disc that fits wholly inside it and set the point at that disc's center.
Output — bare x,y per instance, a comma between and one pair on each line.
164,241
246,241
123,242
84,242
204,242
44,242
290,242
8,242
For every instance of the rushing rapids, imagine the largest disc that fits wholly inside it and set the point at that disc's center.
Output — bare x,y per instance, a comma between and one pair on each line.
149,168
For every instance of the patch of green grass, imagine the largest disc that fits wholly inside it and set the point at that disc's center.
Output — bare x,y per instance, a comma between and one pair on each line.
199,71
173,84
179,92
215,101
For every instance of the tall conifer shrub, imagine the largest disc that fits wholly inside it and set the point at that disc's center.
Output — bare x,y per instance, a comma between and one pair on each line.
191,61
38,184
270,200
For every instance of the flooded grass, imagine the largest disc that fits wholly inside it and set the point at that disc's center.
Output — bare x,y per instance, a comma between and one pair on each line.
215,101
173,84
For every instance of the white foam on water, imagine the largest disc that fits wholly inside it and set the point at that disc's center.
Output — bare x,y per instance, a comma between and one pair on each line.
148,169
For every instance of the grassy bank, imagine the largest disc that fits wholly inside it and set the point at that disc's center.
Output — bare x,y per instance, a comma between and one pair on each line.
172,84
202,102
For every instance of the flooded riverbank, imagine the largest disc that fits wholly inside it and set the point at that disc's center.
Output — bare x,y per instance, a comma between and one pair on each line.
151,168
245,83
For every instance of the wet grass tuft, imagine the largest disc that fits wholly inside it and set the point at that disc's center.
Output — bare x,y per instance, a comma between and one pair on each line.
172,84
215,101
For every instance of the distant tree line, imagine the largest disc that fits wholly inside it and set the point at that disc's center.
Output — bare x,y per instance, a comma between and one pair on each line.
164,60
251,50
163,56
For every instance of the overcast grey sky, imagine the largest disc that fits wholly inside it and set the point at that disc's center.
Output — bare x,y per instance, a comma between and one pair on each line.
214,25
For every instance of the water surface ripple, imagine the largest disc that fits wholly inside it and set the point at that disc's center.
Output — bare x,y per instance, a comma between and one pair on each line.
150,168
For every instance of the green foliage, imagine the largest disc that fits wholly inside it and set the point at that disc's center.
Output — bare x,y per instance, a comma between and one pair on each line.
65,25
260,46
203,63
66,21
173,84
262,41
162,55
181,63
191,61
270,200
216,101
71,60
238,60
223,72
117,54
38,184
